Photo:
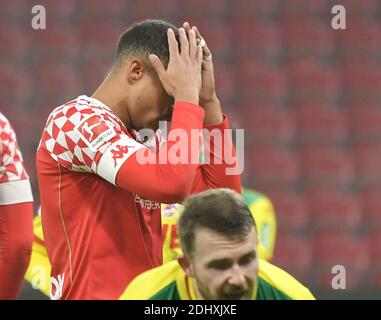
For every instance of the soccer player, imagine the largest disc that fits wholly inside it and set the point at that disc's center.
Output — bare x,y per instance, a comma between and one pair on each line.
260,207
264,216
219,240
100,202
16,214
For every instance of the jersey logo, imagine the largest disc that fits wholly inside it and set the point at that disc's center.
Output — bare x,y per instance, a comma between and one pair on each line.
147,204
119,152
58,286
96,132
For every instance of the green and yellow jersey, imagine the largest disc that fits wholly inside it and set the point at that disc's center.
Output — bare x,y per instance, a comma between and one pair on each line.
260,207
264,216
171,243
169,282
38,272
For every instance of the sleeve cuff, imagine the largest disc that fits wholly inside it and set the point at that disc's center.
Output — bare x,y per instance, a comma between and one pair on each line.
223,125
13,192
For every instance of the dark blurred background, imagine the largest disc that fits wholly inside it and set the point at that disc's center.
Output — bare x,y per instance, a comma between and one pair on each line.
308,97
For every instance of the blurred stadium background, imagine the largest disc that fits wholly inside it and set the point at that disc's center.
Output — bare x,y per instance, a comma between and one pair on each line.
308,97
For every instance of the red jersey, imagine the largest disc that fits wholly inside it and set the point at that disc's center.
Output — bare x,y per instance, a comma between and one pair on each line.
16,214
14,181
100,206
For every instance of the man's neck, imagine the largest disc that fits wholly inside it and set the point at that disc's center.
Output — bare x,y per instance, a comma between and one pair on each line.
110,94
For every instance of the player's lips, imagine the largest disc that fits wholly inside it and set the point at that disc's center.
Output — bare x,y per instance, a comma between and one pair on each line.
235,296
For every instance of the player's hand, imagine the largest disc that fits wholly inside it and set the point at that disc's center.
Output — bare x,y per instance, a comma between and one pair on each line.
208,97
182,79
208,88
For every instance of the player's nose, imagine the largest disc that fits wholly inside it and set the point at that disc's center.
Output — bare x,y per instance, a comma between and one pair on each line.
236,276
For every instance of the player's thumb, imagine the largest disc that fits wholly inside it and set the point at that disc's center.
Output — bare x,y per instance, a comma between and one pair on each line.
156,63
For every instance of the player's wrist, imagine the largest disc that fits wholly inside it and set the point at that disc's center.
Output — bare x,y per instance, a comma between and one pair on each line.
211,102
213,115
191,97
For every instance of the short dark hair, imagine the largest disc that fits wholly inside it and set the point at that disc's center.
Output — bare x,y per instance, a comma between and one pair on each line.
220,210
143,38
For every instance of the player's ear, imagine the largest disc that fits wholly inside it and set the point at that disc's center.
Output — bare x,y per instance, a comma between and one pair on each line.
185,265
135,70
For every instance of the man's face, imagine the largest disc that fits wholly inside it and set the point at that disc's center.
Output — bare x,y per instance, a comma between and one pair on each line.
152,103
224,268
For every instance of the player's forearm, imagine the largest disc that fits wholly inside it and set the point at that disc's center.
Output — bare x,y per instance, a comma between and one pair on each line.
16,237
213,112
166,180
220,156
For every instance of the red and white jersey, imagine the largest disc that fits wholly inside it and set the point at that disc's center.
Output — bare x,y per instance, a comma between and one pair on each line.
98,235
16,214
100,206
80,132
14,181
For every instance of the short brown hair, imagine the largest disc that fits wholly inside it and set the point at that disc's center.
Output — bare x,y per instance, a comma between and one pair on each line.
220,210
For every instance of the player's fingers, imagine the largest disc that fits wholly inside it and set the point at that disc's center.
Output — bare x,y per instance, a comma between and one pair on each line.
192,44
186,27
157,65
172,44
198,34
199,56
184,43
205,47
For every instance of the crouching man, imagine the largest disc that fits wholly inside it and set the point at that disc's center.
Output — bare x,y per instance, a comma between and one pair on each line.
219,239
